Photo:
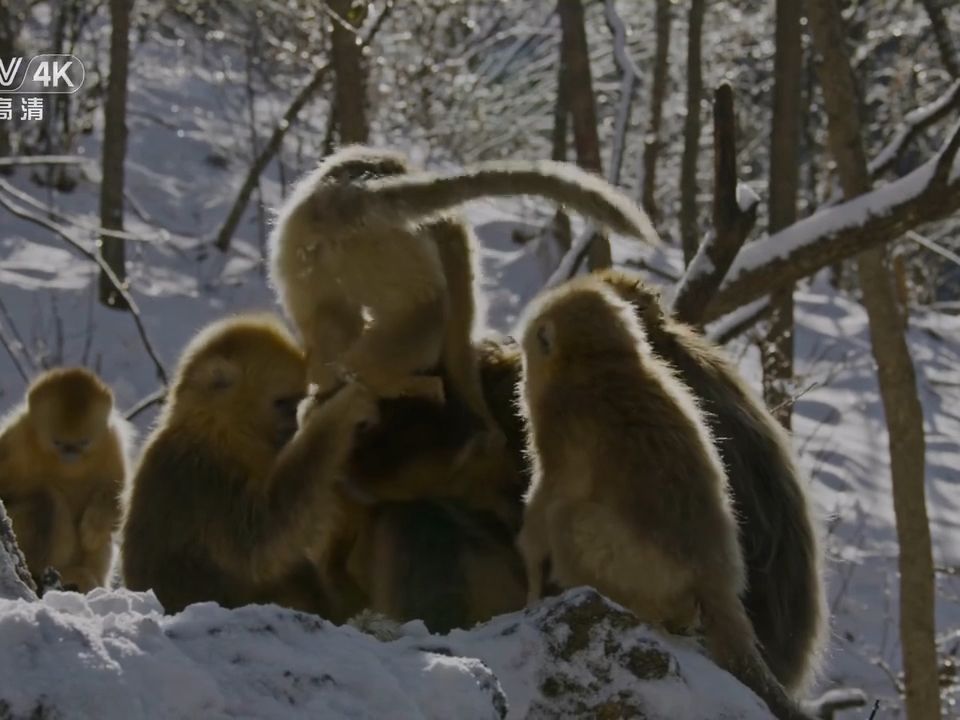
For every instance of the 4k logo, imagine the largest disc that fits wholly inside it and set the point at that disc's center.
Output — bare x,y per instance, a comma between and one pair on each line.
44,74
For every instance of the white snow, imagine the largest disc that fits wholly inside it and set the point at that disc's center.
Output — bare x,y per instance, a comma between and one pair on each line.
113,654
747,197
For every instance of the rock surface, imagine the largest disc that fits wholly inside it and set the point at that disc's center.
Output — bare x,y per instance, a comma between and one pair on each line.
113,654
15,580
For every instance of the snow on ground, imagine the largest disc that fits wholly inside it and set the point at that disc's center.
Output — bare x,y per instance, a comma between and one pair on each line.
113,654
49,314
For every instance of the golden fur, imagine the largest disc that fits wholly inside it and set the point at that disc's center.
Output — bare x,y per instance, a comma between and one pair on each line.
63,457
629,494
349,240
779,535
229,492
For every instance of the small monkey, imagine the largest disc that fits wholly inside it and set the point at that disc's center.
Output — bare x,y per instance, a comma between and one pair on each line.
780,539
629,494
360,235
63,462
230,492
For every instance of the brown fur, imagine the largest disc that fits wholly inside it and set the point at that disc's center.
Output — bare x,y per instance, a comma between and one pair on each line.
229,492
349,240
629,494
785,594
62,470
441,561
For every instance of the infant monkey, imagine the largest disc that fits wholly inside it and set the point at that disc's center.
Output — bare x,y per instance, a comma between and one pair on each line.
629,494
362,238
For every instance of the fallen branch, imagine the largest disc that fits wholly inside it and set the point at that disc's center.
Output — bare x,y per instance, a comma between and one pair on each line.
734,215
930,192
107,271
272,146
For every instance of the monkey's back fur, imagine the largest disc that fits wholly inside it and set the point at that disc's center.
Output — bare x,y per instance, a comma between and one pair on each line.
785,594
629,494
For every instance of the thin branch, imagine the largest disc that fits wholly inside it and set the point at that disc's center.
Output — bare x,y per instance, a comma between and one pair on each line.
933,247
155,398
734,215
272,145
13,356
930,192
739,321
17,160
47,210
914,123
107,271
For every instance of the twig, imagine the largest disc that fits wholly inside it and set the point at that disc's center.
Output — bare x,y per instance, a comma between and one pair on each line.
154,398
13,356
107,271
915,122
876,707
272,146
933,247
734,214
16,160
18,338
739,321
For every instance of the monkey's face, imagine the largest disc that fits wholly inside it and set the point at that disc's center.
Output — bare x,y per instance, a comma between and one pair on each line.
67,429
250,385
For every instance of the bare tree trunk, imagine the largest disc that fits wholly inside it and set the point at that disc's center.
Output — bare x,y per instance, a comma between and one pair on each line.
651,148
896,375
689,227
941,32
114,152
350,82
777,351
583,109
561,114
8,37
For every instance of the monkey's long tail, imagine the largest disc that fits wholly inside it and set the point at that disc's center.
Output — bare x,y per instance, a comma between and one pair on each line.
733,646
416,195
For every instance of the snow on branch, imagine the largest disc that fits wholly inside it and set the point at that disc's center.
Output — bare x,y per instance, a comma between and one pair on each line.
734,215
78,245
915,122
930,192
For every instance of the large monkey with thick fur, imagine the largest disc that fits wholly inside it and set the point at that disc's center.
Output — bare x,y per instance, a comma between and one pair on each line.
360,235
785,591
229,491
629,494
63,462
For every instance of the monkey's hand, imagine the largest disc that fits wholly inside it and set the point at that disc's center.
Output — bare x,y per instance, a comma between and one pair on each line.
99,520
352,406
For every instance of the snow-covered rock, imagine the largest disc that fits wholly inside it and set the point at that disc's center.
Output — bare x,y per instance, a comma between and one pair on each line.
113,654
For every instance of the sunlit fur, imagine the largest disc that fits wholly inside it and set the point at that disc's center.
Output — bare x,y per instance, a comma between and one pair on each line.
778,532
229,494
629,494
63,460
350,239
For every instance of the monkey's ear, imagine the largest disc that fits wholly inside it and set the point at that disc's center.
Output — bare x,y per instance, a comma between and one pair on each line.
215,374
546,336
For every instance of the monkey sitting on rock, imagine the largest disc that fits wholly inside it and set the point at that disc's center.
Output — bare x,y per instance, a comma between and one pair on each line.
629,494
